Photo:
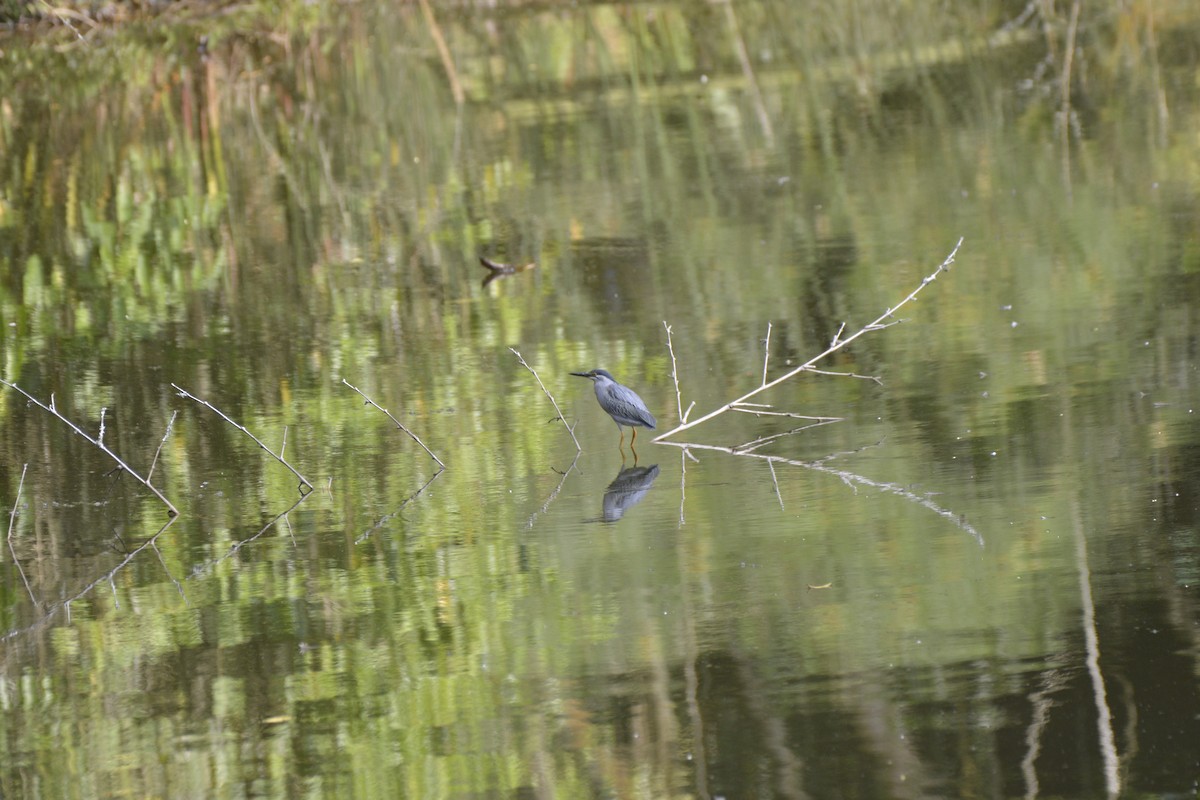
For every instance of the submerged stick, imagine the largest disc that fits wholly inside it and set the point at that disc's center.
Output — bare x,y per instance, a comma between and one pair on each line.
187,395
12,517
879,323
554,402
397,422
97,442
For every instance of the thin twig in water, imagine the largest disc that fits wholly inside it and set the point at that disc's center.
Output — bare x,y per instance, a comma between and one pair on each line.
765,411
879,323
558,410
397,422
304,482
100,438
170,423
12,517
283,445
766,353
103,447
683,415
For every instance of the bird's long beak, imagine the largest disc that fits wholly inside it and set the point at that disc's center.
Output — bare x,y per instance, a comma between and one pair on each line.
582,374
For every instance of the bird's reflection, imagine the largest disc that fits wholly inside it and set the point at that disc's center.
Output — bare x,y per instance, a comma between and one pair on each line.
627,490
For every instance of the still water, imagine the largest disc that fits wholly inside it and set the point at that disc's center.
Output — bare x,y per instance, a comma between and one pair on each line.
982,580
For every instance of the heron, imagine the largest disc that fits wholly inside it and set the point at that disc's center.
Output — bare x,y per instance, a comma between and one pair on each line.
619,402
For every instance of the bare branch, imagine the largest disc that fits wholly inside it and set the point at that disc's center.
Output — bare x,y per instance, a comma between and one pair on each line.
547,393
303,480
397,422
683,415
763,412
879,323
103,447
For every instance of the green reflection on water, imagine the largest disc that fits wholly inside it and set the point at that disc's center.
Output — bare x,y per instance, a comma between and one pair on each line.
289,211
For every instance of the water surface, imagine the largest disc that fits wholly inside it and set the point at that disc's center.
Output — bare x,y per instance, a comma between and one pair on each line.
981,581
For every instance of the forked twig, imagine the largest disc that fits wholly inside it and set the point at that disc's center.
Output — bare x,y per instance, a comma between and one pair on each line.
881,322
188,395
558,410
397,422
97,442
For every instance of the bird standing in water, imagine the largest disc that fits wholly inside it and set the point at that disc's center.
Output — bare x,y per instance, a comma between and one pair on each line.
621,403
